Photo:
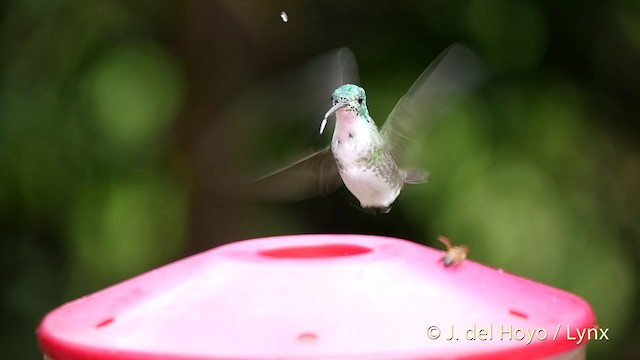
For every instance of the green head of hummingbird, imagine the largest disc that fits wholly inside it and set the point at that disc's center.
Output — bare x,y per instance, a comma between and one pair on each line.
347,98
369,161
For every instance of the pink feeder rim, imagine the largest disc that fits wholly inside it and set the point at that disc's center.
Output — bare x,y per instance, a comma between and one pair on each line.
319,297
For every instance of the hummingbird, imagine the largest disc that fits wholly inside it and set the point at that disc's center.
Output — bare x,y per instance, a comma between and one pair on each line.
371,161
362,153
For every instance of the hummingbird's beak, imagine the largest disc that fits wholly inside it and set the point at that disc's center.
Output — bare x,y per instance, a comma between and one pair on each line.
331,111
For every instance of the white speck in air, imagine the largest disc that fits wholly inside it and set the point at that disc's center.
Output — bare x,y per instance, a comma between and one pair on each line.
284,16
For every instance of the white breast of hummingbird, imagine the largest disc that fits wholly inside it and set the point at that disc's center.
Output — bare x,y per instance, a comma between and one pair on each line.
367,171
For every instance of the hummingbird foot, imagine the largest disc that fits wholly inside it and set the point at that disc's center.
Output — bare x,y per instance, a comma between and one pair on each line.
377,210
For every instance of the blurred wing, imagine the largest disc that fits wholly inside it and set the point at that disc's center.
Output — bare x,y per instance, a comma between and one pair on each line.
276,124
315,175
455,72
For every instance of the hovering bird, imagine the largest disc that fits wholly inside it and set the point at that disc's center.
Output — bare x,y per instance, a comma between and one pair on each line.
371,161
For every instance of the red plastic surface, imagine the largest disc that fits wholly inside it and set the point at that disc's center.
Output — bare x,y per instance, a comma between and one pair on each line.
317,297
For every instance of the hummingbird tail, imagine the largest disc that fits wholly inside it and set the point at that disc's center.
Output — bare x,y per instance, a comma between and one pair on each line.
415,176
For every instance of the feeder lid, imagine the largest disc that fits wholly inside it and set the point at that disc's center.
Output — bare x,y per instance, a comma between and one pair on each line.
318,296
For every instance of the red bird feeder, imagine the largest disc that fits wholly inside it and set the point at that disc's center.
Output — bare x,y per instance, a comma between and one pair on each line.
320,297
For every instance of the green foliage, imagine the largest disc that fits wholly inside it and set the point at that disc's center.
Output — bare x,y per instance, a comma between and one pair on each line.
135,92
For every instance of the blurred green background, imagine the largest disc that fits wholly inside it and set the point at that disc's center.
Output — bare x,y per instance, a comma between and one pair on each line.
108,165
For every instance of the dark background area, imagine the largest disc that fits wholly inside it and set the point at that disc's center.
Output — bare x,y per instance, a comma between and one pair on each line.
111,149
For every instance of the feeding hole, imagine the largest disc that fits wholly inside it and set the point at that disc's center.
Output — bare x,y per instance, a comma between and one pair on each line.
307,337
518,314
315,251
104,323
